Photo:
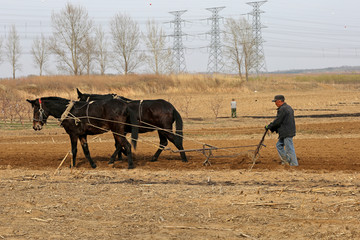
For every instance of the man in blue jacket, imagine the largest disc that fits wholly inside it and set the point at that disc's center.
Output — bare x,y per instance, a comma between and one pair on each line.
284,125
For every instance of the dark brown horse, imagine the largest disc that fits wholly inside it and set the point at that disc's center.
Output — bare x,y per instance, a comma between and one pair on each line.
153,115
80,119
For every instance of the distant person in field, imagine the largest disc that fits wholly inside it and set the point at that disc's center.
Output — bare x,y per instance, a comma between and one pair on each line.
233,108
284,125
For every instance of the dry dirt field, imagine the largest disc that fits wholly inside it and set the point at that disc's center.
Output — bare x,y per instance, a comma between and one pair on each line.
170,199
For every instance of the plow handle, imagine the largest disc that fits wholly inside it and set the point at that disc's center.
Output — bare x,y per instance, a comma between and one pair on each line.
257,150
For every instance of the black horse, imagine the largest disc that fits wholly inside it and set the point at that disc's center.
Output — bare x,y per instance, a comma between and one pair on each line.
153,115
80,119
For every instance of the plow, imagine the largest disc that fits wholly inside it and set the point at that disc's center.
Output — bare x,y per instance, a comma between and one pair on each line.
208,151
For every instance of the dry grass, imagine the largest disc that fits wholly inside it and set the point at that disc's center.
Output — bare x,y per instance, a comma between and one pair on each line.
194,94
145,85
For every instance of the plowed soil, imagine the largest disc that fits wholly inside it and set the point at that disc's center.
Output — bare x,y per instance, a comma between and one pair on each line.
331,146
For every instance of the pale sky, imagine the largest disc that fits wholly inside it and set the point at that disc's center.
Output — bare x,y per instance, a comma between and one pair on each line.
299,34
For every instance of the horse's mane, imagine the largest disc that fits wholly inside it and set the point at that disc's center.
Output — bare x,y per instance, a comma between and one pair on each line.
105,96
100,95
55,99
124,98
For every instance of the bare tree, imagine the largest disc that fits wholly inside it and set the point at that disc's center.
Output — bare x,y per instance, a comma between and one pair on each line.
185,105
215,105
13,50
40,52
88,55
7,105
71,29
3,104
239,46
158,57
20,109
125,38
1,45
102,56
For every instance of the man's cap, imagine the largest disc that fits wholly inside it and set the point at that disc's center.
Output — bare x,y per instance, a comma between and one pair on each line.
279,97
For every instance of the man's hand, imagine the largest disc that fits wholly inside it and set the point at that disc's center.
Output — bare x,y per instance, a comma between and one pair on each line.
267,127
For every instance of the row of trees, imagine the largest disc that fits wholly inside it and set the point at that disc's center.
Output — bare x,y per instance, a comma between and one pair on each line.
79,46
13,108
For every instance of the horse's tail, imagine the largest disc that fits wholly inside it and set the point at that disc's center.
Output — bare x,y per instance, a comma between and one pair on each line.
179,126
134,128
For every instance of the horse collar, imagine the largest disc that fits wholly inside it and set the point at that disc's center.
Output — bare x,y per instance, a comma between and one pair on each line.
65,114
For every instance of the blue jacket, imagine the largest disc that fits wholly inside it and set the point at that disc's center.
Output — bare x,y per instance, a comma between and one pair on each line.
284,123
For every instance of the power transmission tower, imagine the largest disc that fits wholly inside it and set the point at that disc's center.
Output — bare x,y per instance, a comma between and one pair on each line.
215,62
259,59
178,48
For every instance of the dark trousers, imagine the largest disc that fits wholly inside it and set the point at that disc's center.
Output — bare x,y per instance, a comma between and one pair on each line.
233,112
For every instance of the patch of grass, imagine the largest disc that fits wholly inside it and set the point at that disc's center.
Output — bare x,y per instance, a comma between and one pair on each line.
330,78
14,126
26,125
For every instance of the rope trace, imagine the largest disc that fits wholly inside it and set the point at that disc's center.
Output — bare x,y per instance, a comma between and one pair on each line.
205,147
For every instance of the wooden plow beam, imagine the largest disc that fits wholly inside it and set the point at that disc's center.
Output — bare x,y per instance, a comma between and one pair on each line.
207,151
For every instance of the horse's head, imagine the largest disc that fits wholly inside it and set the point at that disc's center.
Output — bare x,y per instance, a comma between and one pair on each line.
40,115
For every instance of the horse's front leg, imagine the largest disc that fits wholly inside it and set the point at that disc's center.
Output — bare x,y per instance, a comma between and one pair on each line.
85,148
126,146
73,140
117,151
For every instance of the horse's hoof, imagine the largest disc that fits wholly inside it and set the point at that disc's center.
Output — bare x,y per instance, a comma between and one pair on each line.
185,160
111,161
93,165
131,167
153,160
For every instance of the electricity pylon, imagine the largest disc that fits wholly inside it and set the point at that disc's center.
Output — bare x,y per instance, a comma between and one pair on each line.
178,47
215,62
259,58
